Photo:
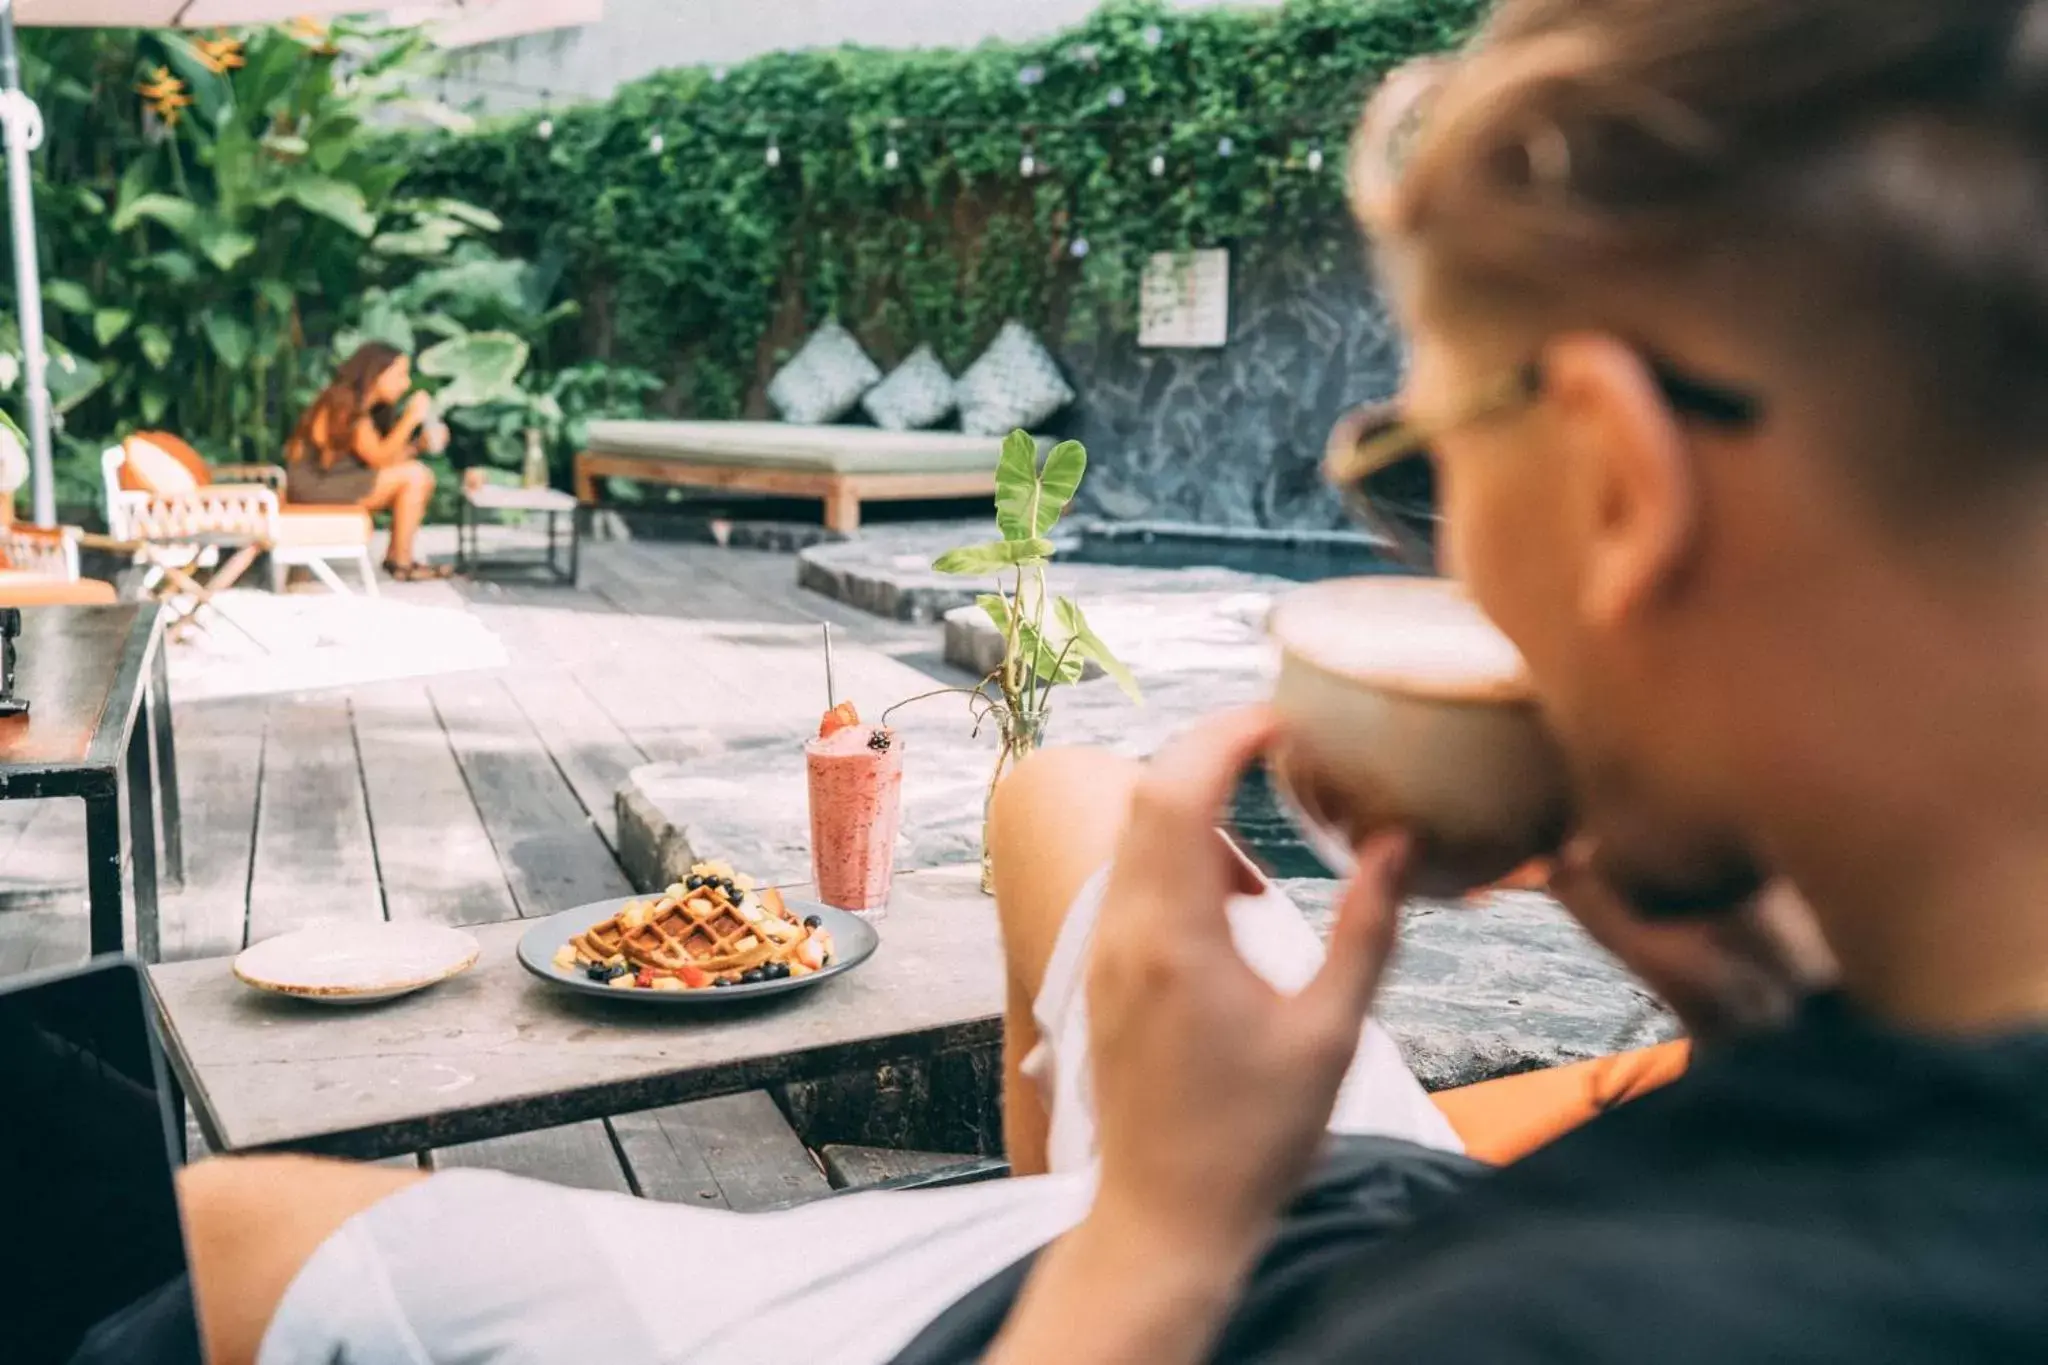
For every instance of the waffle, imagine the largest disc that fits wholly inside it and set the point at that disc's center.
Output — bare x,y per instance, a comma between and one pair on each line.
714,931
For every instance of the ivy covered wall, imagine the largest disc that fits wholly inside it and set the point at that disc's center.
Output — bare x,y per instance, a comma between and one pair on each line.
706,219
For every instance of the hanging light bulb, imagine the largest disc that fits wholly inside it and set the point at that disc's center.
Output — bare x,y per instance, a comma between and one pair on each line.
1078,248
892,158
1153,35
1027,164
773,156
1115,97
718,75
1158,166
1315,159
1225,146
545,129
656,144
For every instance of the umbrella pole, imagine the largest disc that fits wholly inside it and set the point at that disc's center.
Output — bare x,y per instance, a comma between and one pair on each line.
24,134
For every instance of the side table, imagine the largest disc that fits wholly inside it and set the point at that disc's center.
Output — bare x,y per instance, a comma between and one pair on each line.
547,502
99,728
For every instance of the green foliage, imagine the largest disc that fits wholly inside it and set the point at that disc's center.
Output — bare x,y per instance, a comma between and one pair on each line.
994,557
200,259
1038,655
701,262
206,272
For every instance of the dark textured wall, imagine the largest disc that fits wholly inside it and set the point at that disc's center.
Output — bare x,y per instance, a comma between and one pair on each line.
1233,437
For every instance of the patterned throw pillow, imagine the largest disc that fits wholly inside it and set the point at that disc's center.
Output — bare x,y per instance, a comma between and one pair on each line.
824,379
916,394
1016,383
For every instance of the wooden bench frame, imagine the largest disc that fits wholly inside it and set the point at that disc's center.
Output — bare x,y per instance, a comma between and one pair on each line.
842,493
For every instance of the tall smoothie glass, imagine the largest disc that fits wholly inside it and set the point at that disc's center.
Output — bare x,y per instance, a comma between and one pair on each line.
856,781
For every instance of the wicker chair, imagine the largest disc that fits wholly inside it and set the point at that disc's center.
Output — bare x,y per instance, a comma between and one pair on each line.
163,496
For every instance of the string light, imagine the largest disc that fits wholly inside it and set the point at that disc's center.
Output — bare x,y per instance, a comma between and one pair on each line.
718,75
1078,248
891,158
656,143
1030,75
1158,164
1315,159
1027,164
1153,35
1225,146
773,156
545,129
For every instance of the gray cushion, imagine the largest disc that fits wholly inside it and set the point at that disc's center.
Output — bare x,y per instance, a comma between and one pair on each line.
824,379
780,445
917,393
1015,383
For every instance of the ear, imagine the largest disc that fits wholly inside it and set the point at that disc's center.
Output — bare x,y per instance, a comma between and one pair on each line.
1631,492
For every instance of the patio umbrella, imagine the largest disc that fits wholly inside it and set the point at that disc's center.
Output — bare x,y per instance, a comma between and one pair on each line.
24,132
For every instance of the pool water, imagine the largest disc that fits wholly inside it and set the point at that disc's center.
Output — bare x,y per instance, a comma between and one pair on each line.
1303,558
1267,831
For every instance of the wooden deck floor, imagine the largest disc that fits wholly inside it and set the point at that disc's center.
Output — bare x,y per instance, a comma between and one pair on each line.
472,797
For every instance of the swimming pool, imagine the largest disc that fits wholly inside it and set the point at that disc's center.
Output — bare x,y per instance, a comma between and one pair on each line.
1302,556
1266,831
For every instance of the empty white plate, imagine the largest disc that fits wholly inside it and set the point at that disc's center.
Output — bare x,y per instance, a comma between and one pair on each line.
356,964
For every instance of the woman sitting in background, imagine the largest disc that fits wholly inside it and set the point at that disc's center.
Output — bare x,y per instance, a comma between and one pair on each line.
357,447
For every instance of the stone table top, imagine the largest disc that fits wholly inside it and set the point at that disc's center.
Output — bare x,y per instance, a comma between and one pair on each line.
497,1050
1477,992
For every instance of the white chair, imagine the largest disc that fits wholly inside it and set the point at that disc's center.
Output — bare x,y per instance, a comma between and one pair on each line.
233,501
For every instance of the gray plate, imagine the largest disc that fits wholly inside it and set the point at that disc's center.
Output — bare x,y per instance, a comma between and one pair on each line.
854,941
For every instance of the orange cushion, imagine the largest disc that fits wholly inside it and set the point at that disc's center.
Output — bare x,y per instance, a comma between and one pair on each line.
179,449
38,590
154,467
1505,1119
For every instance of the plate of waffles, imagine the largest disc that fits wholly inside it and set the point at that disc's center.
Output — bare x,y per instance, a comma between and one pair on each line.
710,938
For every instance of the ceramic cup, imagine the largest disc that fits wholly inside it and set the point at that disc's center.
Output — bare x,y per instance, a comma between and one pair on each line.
1400,704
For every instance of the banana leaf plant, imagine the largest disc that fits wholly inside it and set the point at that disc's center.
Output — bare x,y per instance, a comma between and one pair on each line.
1047,641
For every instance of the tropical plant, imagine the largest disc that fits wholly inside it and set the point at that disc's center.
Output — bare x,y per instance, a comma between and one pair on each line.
1039,654
216,214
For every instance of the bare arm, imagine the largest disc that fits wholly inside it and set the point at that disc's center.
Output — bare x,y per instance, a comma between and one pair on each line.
1111,1291
1213,1090
379,450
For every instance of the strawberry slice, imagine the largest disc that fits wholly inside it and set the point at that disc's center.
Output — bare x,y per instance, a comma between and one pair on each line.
840,717
693,976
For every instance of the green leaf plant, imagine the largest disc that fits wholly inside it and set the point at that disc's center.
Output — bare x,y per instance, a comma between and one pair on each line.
1047,641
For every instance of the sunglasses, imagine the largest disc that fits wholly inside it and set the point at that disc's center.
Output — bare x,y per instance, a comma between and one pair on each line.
1380,462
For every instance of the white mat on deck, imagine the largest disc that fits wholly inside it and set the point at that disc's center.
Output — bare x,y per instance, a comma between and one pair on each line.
311,640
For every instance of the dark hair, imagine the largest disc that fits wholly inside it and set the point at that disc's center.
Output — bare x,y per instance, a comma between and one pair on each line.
344,402
1862,182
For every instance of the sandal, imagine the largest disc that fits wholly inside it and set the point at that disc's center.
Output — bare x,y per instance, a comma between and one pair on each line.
417,572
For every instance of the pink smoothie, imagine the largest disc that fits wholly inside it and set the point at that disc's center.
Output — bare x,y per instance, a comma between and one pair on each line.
855,813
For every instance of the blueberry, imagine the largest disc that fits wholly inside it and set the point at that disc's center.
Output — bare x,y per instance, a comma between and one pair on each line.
751,976
776,971
693,884
813,921
721,981
597,971
618,969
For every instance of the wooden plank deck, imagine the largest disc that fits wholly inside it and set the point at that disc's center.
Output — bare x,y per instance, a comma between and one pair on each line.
472,797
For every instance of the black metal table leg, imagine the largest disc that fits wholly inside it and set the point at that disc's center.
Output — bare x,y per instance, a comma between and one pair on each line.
142,838
103,868
167,768
553,571
576,520
174,1090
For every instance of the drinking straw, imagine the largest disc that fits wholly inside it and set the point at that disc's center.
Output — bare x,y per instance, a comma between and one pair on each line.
831,693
